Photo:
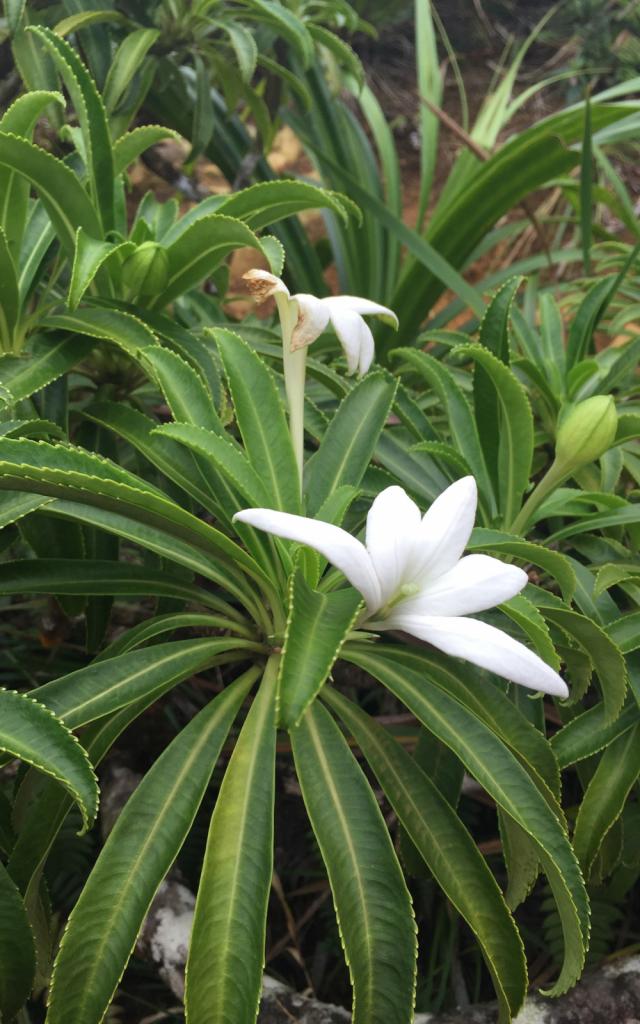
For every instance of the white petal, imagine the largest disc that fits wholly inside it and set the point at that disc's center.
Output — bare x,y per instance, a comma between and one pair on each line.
392,524
363,306
482,645
313,317
335,544
354,336
262,284
475,583
445,530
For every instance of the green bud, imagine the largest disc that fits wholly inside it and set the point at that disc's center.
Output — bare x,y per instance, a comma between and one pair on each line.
146,271
586,431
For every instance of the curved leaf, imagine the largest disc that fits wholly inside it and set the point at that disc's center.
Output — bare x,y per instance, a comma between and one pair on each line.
372,902
499,772
103,926
66,202
105,686
446,846
33,733
226,956
350,440
17,949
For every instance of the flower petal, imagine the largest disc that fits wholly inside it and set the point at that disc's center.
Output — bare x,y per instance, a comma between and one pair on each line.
445,530
475,583
354,336
262,284
482,645
365,307
392,524
313,317
335,544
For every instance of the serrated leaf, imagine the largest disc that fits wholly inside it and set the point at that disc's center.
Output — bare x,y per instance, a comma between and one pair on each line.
606,795
317,626
260,419
90,255
350,440
147,836
106,686
50,357
130,146
92,116
447,848
199,250
66,202
498,771
226,956
372,903
510,463
17,949
33,733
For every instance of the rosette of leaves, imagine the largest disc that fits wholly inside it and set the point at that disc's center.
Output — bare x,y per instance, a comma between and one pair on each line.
285,620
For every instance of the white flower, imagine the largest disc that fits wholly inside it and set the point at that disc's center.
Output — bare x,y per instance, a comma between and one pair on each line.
413,577
310,316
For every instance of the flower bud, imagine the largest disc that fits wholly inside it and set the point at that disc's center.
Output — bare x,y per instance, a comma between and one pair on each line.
146,271
586,431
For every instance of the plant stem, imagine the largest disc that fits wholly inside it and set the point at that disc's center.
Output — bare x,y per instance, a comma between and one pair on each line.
294,365
552,479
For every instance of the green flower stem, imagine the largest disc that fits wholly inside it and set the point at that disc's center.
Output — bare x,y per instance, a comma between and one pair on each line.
552,479
294,364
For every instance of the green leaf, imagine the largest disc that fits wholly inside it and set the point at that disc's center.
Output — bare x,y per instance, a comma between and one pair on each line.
589,732
499,772
531,622
20,119
66,202
35,735
350,440
92,116
463,427
129,146
493,332
607,659
17,949
372,903
260,419
9,296
104,924
126,64
144,434
447,848
183,388
606,795
586,189
76,475
226,457
285,24
105,686
95,577
50,357
203,114
509,463
123,329
90,255
199,250
226,956
267,202
317,626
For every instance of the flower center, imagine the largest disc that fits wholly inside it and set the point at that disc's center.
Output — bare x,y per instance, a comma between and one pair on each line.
405,591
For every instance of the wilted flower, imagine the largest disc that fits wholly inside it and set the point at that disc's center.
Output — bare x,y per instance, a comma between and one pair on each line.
413,577
307,317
